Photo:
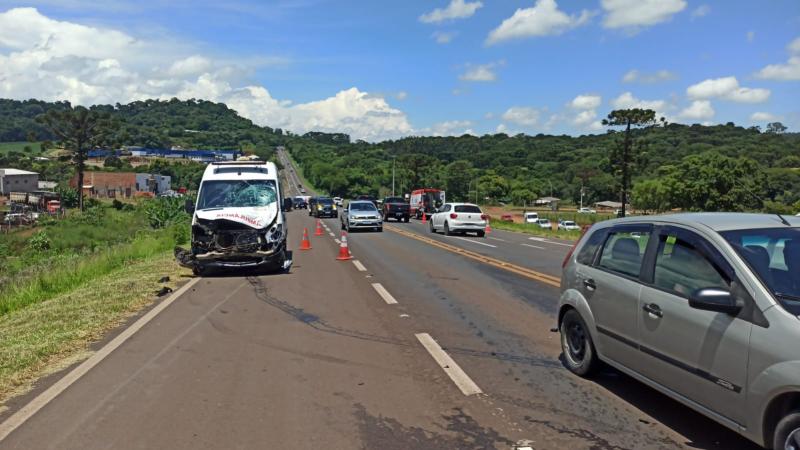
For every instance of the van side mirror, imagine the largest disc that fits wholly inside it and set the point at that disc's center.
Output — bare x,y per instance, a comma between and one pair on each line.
287,204
189,206
714,299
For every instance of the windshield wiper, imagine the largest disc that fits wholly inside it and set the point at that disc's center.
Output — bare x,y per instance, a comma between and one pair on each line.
785,296
210,209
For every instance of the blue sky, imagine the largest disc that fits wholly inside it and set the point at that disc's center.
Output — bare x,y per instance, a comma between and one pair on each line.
388,69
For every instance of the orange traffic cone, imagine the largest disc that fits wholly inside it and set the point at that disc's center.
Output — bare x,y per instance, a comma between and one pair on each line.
488,227
319,228
305,244
344,251
424,217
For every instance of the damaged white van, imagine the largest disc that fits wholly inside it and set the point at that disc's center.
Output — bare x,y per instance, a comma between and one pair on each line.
238,220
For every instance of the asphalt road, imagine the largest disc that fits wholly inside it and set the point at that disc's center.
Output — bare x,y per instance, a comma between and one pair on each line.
413,346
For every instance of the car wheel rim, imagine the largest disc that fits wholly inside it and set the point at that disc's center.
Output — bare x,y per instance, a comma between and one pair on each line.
793,440
575,343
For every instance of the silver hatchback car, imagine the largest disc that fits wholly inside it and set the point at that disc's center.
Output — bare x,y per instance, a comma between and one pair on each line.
702,307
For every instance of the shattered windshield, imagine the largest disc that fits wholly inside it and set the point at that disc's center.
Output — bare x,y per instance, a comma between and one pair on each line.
236,194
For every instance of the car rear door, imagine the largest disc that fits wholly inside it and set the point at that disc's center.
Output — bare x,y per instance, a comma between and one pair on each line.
611,287
699,354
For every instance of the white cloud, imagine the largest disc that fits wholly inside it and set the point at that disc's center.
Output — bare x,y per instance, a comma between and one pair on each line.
444,37
634,14
727,88
522,115
784,72
401,95
457,9
764,117
587,120
450,128
482,72
698,110
627,101
701,11
543,19
58,60
635,76
751,35
586,101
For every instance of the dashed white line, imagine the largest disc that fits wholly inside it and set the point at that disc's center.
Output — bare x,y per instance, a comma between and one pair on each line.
473,241
549,242
532,246
359,266
385,295
459,377
337,241
497,239
332,235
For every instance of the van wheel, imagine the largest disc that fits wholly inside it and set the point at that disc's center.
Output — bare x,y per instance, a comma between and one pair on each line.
577,346
199,270
787,433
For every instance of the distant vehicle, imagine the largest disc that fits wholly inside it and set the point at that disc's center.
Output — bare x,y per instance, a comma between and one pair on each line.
368,198
322,207
586,211
395,208
338,201
701,307
302,190
361,214
507,217
531,217
544,223
238,220
568,225
425,201
300,202
459,218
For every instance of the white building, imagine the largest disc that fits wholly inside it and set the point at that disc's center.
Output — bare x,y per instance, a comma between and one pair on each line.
15,180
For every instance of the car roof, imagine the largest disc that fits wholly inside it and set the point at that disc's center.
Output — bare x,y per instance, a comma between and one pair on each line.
716,221
462,204
364,202
241,170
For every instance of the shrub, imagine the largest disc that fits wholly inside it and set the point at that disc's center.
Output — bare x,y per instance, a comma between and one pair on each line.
39,242
162,212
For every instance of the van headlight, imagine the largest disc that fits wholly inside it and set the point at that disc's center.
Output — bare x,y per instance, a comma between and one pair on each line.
275,234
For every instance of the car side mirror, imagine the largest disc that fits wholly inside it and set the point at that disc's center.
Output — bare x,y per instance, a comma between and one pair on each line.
287,204
189,206
714,299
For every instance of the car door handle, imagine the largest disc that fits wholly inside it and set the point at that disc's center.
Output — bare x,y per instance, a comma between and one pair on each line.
589,283
653,309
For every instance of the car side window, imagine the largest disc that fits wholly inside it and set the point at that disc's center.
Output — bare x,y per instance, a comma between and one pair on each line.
682,268
623,252
446,208
589,249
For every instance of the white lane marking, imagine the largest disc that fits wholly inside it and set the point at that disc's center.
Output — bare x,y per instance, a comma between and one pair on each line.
537,239
338,241
332,235
385,295
533,246
359,266
473,241
497,239
459,377
27,411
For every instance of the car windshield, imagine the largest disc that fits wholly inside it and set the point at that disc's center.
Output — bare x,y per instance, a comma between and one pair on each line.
774,255
468,209
569,223
325,201
394,200
362,207
236,194
544,221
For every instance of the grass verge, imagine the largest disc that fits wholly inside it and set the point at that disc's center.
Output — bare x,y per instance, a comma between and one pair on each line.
49,335
536,230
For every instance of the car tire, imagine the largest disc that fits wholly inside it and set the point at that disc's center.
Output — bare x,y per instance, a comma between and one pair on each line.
447,231
481,233
199,270
405,219
430,224
787,432
380,229
577,347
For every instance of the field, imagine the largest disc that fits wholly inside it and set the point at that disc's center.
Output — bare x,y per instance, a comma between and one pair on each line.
7,147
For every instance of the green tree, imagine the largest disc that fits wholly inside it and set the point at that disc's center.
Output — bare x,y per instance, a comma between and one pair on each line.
776,128
458,175
623,157
79,130
650,196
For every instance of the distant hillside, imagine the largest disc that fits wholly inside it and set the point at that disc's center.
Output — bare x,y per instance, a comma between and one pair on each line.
151,123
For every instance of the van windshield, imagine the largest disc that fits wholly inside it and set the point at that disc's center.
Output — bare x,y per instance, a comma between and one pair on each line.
236,194
774,255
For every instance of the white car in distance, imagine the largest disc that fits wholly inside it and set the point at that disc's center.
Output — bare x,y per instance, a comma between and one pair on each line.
531,217
459,218
586,211
568,225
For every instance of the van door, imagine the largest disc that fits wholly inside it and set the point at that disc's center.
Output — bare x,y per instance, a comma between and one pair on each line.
699,354
611,287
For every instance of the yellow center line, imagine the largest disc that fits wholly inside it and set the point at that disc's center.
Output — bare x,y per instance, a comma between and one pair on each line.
519,270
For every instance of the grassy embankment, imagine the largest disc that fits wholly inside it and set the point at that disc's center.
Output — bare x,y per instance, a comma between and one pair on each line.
7,147
67,283
520,227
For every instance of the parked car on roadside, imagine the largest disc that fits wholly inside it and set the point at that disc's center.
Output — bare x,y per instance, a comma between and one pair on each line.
361,214
587,211
459,218
395,208
568,225
702,307
531,217
544,223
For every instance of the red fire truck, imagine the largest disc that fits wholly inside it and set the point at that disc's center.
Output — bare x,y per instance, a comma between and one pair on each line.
425,201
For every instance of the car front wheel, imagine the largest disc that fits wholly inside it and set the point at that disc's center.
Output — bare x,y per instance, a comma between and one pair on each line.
577,346
787,433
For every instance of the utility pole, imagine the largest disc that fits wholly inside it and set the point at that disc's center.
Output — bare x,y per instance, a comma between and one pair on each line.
393,161
581,195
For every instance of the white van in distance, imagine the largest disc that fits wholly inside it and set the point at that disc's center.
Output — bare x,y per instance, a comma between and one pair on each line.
238,220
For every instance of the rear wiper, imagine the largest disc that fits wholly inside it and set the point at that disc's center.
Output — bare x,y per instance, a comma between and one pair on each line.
785,296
